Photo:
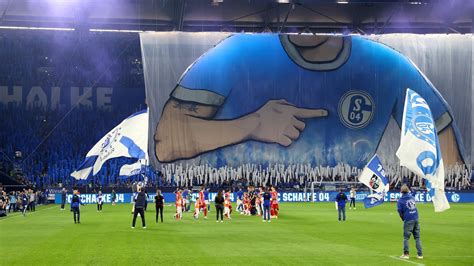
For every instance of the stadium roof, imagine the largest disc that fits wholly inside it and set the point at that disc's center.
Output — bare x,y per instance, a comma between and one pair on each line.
338,16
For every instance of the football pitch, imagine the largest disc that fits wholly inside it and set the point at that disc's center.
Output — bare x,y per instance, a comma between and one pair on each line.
304,234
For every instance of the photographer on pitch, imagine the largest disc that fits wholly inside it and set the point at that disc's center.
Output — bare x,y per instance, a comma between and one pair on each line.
140,202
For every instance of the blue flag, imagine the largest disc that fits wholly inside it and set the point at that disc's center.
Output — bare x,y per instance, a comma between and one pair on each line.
373,200
373,176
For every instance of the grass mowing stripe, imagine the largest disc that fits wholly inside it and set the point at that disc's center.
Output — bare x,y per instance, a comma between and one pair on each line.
304,234
20,214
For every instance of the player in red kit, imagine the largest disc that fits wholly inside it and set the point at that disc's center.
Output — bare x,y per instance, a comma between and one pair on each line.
274,208
227,205
200,205
246,204
179,205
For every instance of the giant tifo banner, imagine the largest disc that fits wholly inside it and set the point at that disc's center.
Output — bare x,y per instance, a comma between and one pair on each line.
455,197
230,99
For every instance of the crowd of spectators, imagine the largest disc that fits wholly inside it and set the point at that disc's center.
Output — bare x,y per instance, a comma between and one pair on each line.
14,200
52,143
55,58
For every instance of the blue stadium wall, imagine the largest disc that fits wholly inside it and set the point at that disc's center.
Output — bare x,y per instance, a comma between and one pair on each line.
454,197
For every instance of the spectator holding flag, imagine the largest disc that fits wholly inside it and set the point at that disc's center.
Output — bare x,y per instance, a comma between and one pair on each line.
407,210
341,200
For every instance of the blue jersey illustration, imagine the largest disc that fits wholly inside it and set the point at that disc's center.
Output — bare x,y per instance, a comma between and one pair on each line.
362,87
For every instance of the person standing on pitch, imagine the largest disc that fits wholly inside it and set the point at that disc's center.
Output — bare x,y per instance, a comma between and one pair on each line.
341,200
159,199
140,201
13,200
206,199
267,197
219,201
353,198
100,201
114,197
185,198
240,205
75,201
31,200
63,198
24,201
188,200
408,212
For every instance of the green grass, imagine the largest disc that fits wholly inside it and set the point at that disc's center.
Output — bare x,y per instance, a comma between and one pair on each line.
305,233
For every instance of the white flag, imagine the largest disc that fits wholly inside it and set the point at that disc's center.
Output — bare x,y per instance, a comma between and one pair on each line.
131,169
419,148
128,139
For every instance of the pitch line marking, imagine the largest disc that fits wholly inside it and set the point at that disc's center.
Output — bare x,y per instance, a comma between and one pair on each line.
408,261
28,213
452,256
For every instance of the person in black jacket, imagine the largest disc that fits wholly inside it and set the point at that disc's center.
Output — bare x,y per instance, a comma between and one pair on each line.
159,205
140,202
219,200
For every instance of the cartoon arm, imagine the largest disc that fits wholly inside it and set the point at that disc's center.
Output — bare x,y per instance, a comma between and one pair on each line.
186,129
449,147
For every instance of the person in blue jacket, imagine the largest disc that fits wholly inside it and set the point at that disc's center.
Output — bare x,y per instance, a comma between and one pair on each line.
341,200
409,214
266,205
206,199
75,201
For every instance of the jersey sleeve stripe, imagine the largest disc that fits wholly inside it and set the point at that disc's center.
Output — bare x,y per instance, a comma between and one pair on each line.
197,96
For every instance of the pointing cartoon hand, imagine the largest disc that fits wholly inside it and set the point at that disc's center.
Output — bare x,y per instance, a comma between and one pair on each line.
280,122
